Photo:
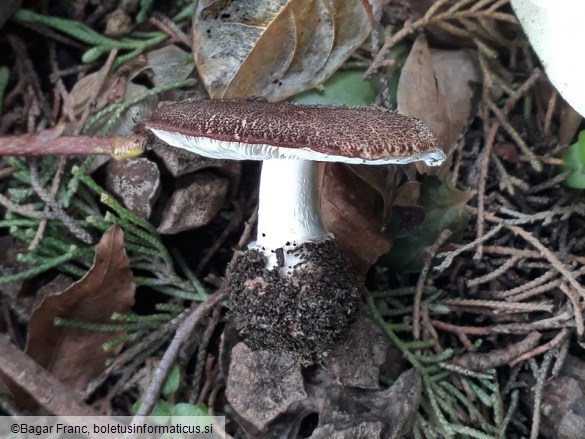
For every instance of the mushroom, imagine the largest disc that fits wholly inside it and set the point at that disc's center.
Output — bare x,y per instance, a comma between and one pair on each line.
555,30
292,289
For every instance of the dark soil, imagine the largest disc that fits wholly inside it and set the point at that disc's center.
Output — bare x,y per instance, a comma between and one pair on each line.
305,312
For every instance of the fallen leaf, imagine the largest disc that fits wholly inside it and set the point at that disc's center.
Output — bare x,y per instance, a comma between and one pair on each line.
436,87
179,161
76,356
125,125
354,212
507,151
136,182
86,88
262,384
407,194
275,48
194,205
169,63
570,121
345,87
443,207
9,265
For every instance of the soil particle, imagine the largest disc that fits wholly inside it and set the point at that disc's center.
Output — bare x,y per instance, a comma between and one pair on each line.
305,312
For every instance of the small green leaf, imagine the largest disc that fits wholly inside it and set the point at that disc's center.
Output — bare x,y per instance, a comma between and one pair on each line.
574,158
444,208
172,382
184,409
162,408
345,87
161,411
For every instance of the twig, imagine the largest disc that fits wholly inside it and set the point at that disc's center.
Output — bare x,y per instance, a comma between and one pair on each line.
30,73
461,332
495,273
525,287
538,388
574,298
508,306
554,261
450,256
26,211
432,17
69,223
136,350
40,384
201,355
550,108
37,145
170,355
497,357
170,28
556,322
422,278
218,242
502,119
463,371
541,349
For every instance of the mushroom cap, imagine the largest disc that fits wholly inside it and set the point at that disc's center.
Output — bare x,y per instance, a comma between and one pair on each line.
256,129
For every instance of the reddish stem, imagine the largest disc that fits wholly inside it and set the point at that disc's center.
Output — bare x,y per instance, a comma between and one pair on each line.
35,145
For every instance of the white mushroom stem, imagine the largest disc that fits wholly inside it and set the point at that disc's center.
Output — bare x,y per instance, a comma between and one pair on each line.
289,211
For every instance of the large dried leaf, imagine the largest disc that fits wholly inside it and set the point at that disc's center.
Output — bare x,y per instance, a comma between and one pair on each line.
436,86
76,356
275,48
353,211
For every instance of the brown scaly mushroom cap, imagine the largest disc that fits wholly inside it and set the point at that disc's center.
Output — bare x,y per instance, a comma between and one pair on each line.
292,289
259,130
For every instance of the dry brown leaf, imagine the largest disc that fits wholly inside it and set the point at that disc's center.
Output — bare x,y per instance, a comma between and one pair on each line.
87,88
353,211
407,194
275,48
76,356
383,180
136,182
169,63
436,87
194,205
570,121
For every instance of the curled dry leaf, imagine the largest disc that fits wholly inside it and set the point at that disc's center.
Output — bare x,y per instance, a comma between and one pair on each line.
194,205
261,385
436,86
169,63
136,182
180,162
275,48
112,90
570,121
354,212
76,356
